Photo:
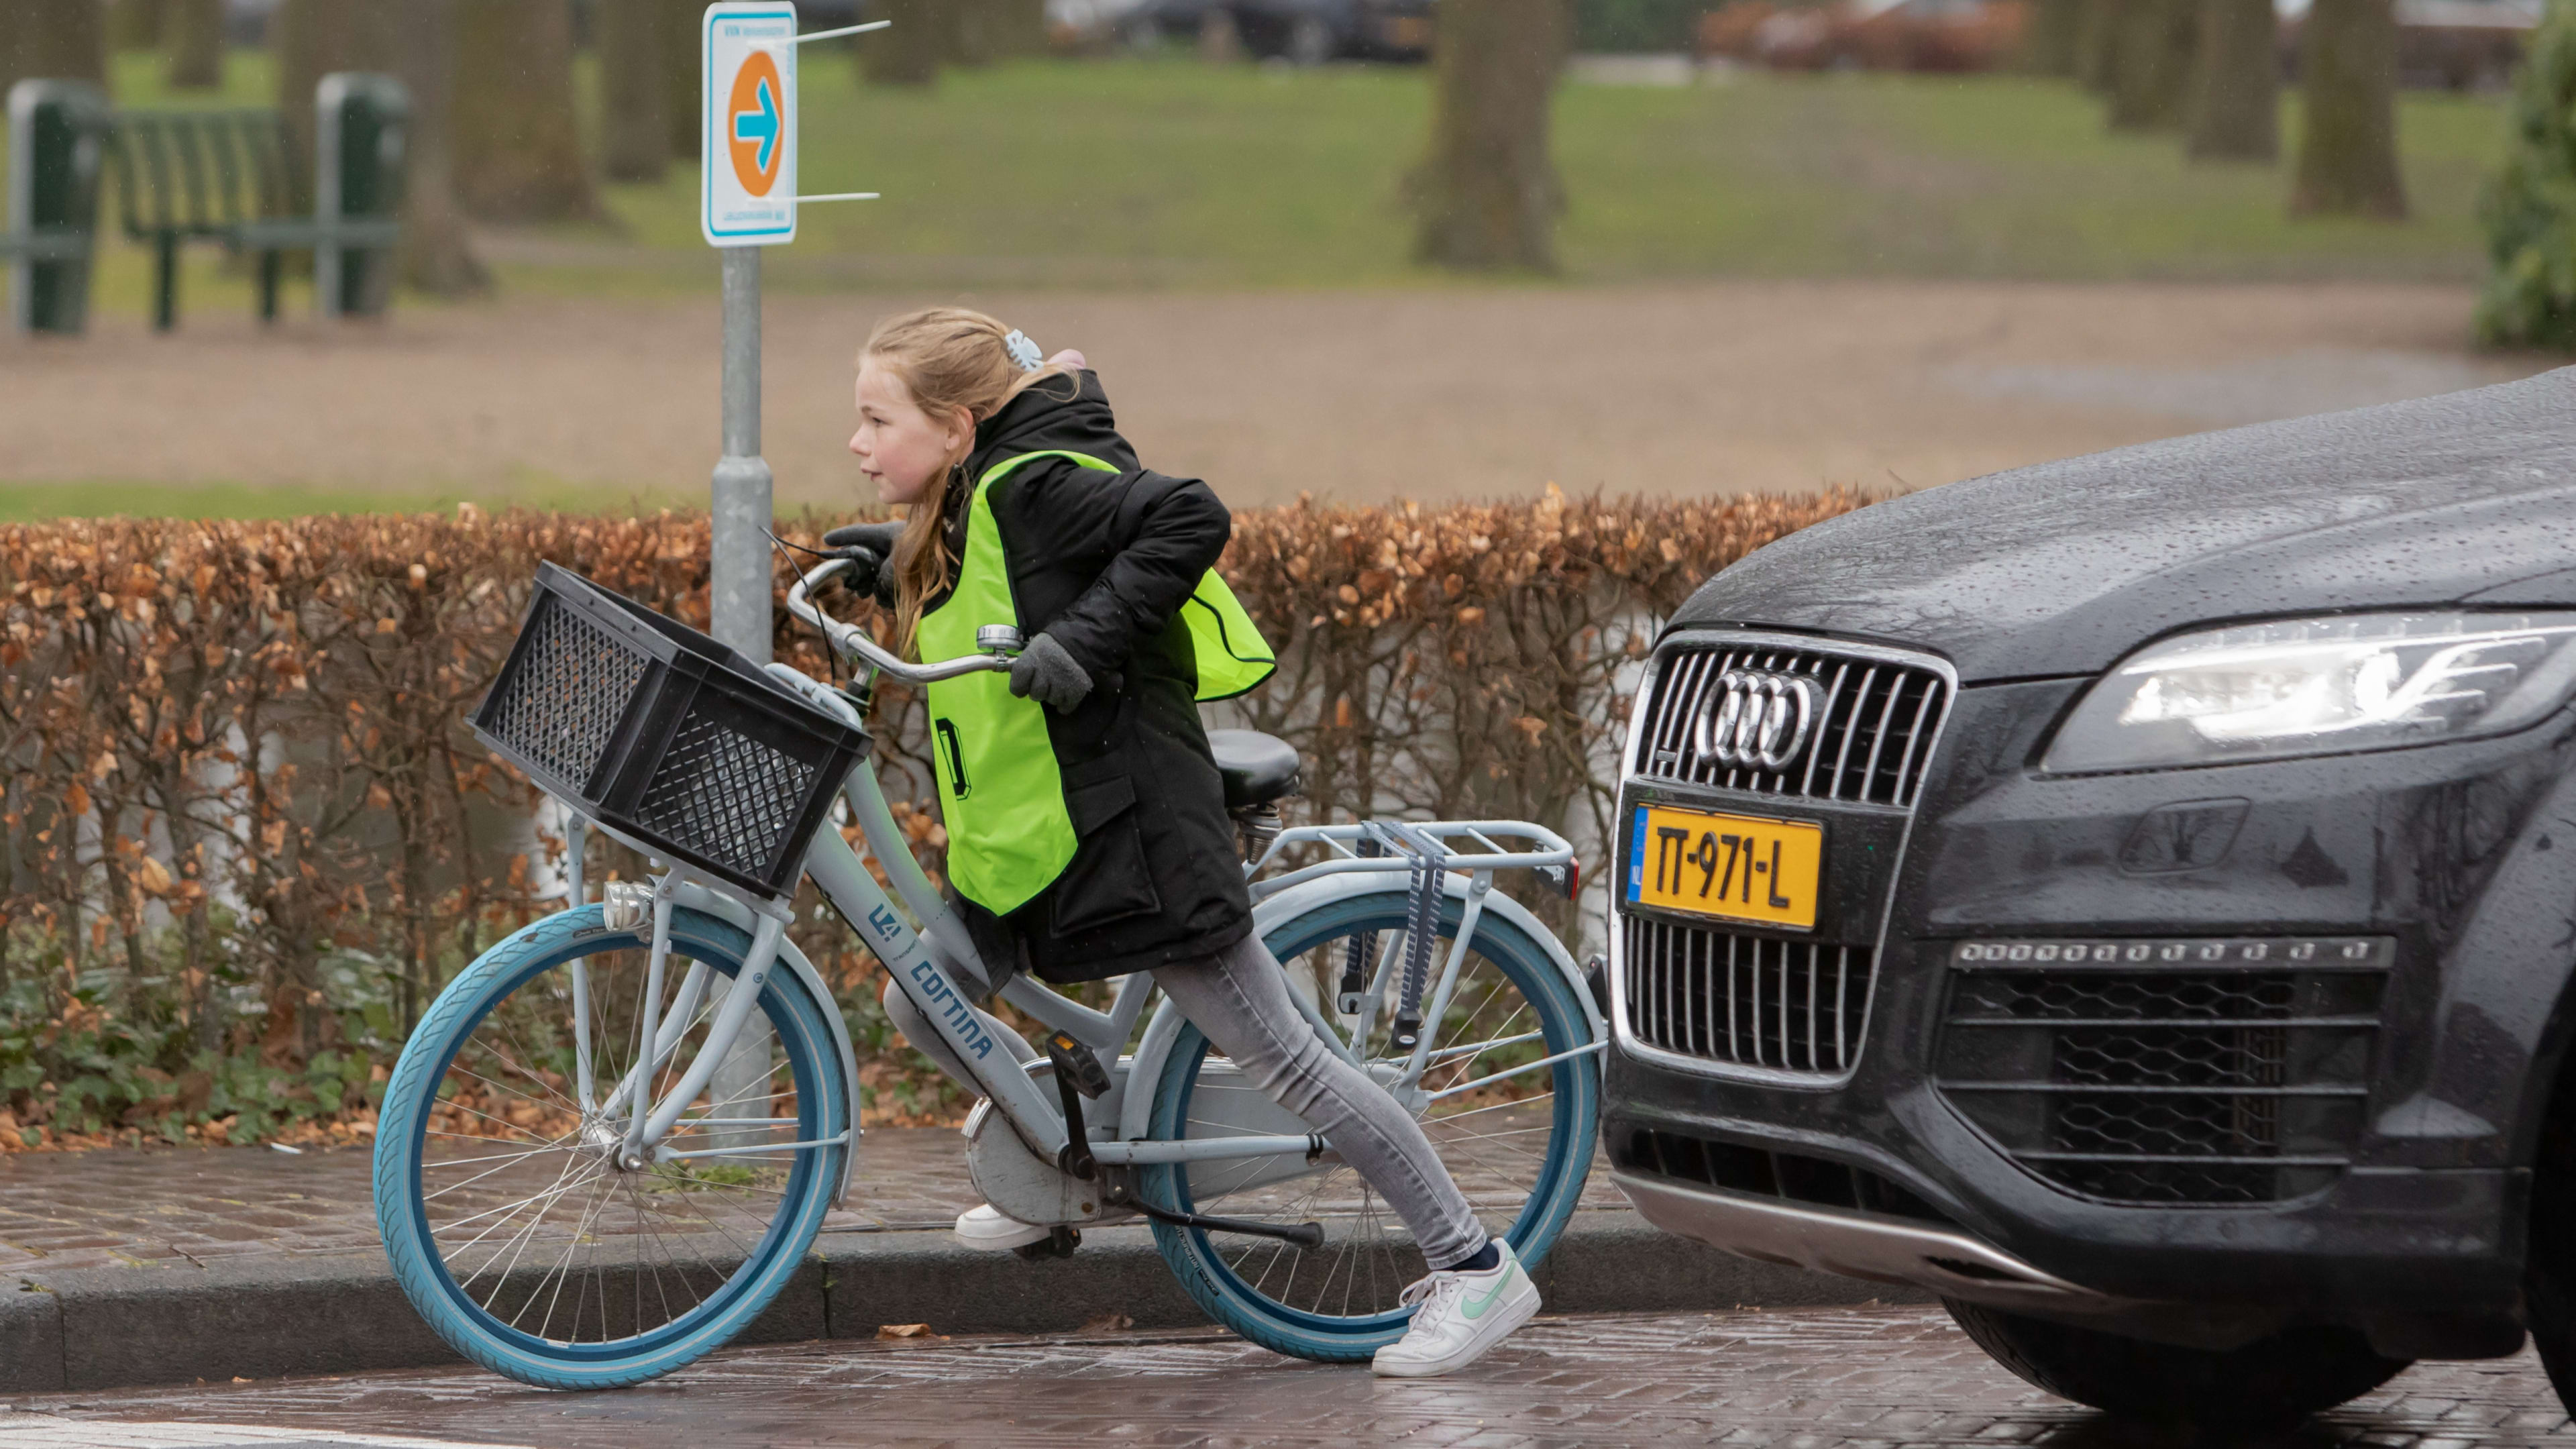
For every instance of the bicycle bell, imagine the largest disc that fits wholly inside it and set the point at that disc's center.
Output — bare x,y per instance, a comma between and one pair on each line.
998,639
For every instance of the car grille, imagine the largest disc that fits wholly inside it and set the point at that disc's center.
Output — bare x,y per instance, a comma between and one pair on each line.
1748,1000
1871,742
2167,1072
1794,1006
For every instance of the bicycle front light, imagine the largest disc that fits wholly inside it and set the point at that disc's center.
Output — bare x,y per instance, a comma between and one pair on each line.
2320,686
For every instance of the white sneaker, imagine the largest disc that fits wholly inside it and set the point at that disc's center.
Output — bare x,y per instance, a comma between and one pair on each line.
1460,1317
989,1228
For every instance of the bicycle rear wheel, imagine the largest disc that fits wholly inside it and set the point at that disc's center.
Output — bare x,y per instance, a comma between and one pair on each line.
1516,1135
514,1220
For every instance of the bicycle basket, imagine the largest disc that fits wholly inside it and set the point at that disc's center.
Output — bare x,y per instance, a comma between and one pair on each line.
664,735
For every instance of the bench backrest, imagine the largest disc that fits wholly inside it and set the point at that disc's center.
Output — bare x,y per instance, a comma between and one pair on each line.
195,172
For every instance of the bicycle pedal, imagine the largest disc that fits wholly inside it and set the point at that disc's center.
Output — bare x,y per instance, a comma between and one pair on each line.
1077,1064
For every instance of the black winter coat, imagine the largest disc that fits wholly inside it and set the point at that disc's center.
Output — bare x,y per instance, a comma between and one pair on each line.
1102,562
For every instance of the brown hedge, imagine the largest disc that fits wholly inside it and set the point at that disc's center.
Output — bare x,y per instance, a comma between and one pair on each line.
238,756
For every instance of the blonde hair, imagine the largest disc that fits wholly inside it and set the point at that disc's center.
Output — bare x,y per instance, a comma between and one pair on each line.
950,359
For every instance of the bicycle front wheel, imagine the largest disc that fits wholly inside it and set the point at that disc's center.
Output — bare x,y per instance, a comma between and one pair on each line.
1514,1129
518,1223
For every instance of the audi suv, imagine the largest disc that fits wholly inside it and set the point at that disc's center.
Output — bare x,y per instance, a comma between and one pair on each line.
2134,898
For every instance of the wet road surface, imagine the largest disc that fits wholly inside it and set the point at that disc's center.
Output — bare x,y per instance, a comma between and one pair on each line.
1809,1379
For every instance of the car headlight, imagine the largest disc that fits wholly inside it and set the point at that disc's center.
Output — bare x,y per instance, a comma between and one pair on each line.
2320,686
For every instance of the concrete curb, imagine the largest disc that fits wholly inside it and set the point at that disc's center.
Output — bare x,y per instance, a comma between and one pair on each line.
271,1316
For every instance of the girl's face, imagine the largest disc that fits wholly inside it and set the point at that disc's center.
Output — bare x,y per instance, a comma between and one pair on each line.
902,448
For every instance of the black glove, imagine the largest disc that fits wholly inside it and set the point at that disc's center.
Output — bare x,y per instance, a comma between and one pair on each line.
1045,673
869,545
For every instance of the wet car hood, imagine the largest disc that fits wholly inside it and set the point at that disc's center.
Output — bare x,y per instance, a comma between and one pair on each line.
2063,568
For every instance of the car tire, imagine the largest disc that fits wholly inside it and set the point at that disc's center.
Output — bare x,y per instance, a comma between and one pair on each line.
2269,1384
2549,1262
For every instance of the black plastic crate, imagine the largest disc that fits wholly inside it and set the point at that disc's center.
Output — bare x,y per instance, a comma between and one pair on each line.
661,733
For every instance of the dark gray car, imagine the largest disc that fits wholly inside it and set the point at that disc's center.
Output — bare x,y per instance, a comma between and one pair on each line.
2135,897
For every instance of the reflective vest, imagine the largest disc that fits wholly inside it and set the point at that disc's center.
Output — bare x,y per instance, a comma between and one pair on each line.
1001,795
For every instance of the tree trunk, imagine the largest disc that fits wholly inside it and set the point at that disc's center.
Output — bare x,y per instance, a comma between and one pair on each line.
681,83
309,39
635,135
2152,65
2052,43
518,143
437,255
62,40
135,25
2348,140
983,31
193,32
2236,88
2097,47
1487,194
909,54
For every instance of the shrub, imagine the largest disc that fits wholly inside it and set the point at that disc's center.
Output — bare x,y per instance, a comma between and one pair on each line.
2530,208
247,838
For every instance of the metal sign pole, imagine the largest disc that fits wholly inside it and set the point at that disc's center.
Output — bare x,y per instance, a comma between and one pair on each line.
738,558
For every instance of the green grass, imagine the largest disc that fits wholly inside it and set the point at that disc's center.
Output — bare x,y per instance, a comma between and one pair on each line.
1167,172
1156,172
22,502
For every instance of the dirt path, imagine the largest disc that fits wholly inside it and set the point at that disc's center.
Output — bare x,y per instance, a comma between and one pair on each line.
1357,395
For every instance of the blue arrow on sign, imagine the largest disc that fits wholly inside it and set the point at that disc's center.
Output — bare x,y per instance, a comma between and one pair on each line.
761,125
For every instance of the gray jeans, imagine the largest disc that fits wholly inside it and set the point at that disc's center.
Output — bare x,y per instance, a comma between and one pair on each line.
1239,999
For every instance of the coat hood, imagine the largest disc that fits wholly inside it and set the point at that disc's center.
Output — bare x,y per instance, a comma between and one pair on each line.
2062,568
1043,417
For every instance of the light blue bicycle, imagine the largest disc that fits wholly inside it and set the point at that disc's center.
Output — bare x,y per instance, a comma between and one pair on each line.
613,1137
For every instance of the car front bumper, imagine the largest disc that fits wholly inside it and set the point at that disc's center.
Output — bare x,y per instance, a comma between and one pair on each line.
2412,1228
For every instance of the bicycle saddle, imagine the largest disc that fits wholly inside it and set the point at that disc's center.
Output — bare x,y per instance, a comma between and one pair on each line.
1258,768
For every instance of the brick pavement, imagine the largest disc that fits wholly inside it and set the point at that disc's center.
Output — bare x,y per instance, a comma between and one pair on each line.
175,1207
1866,1378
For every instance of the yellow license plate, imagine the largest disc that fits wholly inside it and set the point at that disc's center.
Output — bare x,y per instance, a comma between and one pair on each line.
1741,867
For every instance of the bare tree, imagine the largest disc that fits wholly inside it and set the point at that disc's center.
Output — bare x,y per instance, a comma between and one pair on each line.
983,31
437,252
2052,43
518,141
2236,87
56,40
2348,143
2152,64
1487,193
134,24
192,31
635,139
910,53
310,39
2097,44
680,80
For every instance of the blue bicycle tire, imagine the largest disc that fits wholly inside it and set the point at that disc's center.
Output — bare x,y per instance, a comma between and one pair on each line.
809,1047
1201,1265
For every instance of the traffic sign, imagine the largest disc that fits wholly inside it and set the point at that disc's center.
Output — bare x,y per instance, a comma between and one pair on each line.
748,182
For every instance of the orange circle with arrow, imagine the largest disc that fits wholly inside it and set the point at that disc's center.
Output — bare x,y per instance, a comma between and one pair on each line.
756,124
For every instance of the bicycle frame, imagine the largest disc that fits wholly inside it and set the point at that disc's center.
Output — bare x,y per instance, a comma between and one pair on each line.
927,961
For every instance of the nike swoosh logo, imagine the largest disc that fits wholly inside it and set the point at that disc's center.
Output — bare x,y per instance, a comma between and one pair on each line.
1475,1307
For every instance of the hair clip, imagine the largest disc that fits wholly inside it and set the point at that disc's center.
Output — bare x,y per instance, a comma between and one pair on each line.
1022,350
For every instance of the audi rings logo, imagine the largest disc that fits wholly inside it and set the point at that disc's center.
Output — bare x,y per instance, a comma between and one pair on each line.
1756,718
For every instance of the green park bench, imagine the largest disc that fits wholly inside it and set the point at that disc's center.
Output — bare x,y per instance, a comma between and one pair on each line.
229,177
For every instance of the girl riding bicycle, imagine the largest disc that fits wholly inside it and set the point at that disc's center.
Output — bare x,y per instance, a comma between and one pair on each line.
1087,825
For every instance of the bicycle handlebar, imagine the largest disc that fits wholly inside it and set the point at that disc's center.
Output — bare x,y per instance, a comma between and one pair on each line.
853,642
